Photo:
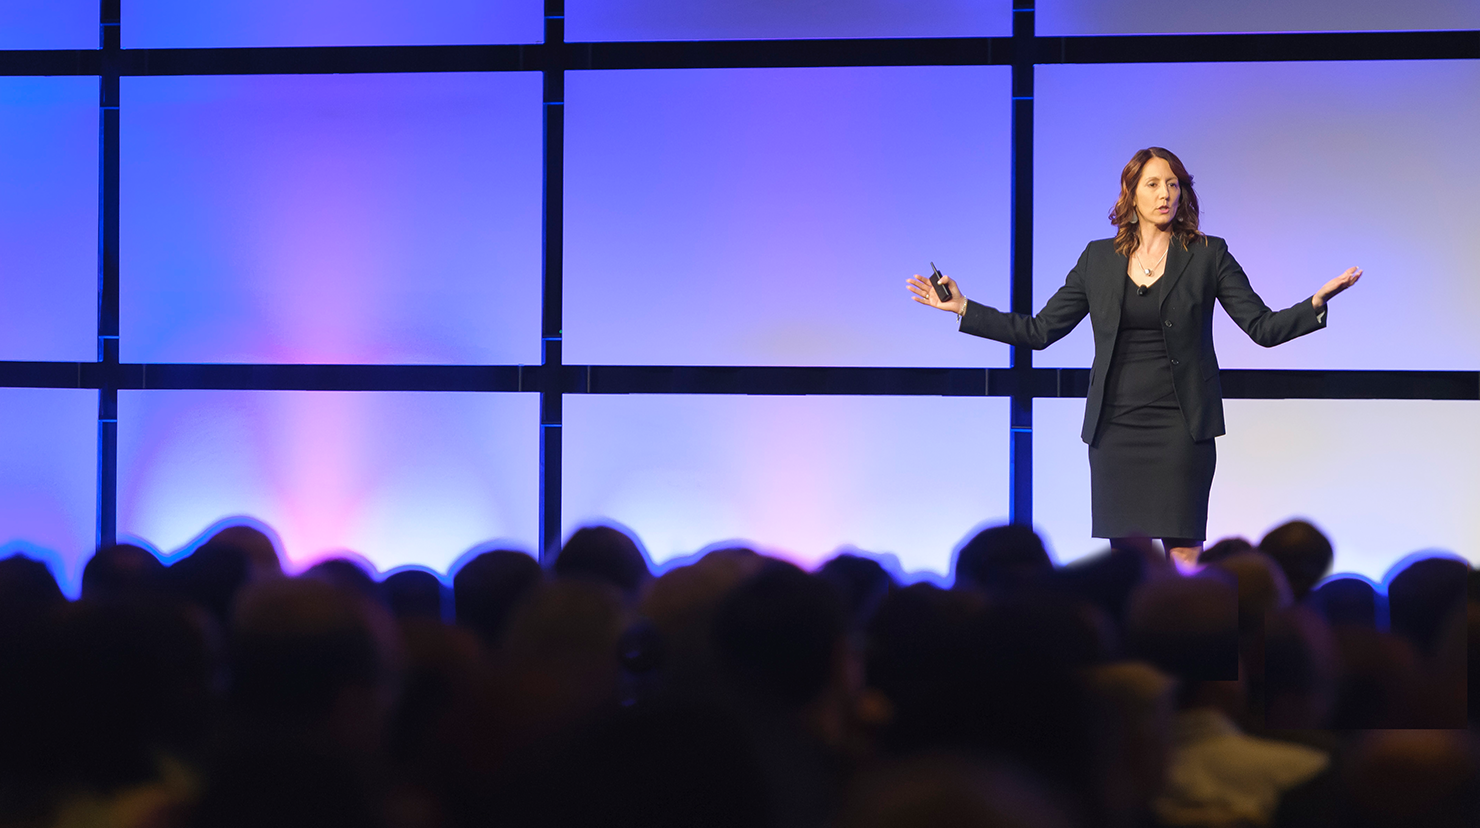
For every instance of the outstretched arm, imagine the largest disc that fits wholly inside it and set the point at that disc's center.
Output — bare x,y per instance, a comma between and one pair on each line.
1064,310
1266,327
1347,278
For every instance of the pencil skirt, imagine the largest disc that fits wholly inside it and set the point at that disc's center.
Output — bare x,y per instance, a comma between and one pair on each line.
1148,477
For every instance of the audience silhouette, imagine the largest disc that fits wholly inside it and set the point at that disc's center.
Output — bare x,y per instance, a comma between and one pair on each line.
740,691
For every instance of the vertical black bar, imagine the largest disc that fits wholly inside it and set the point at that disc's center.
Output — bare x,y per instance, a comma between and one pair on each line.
554,239
1020,488
107,529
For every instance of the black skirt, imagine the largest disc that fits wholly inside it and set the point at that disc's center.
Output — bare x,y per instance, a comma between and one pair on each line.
1148,478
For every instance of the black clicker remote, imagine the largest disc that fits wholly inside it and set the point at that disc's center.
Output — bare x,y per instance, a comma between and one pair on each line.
940,290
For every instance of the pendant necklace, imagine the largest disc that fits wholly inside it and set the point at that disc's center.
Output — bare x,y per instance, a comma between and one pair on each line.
1147,270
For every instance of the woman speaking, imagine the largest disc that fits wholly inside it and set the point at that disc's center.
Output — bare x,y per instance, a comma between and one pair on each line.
1154,403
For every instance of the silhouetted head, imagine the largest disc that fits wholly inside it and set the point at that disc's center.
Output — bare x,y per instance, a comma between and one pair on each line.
413,593
607,555
1187,627
779,635
262,557
210,577
306,655
27,587
1302,552
861,584
123,571
1107,580
1423,596
1300,670
1001,559
560,656
1375,684
1225,548
1347,601
346,574
1261,588
486,588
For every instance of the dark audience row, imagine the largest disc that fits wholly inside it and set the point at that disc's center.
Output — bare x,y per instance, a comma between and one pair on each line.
740,690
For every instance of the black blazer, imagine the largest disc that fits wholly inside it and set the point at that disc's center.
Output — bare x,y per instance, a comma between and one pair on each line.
1193,278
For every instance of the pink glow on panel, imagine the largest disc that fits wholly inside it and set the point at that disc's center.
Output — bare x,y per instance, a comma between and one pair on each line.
48,494
1383,478
339,218
1306,169
797,476
771,216
400,478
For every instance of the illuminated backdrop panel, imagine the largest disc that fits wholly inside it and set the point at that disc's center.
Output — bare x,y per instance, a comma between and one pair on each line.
800,476
49,218
1382,478
1306,169
336,218
764,19
191,23
771,216
1081,17
49,24
49,492
397,477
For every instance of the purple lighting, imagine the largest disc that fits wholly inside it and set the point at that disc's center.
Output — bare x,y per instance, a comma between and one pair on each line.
336,218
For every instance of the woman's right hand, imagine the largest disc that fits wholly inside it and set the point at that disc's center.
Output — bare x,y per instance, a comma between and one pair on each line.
925,293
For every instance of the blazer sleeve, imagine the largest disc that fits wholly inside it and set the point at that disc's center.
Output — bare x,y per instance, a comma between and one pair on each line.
1266,327
1064,310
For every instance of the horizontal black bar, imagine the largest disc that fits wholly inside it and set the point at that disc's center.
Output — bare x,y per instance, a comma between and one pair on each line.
45,374
51,62
1002,382
1181,48
131,376
340,377
292,60
711,379
1350,385
944,51
735,54
686,379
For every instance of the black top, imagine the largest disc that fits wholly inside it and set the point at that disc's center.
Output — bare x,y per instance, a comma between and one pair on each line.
1140,371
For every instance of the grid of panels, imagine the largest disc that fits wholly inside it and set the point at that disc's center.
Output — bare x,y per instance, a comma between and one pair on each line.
552,378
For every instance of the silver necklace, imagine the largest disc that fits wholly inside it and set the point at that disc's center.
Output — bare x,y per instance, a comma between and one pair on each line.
1147,270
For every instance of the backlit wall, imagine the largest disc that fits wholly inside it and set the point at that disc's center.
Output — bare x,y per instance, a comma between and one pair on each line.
477,288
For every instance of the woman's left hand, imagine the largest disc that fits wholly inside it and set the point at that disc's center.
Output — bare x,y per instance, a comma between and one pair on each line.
1348,278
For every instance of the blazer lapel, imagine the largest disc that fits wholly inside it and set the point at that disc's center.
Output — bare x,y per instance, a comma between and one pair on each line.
1177,259
1115,296
1115,268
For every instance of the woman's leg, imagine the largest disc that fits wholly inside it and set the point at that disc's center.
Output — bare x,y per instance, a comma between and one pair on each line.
1182,551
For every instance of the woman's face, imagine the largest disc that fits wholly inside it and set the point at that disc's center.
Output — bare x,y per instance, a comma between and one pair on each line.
1158,193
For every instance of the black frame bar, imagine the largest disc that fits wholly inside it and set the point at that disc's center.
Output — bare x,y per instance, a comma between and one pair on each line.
1020,382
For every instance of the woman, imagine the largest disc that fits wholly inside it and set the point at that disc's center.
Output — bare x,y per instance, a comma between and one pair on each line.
1154,403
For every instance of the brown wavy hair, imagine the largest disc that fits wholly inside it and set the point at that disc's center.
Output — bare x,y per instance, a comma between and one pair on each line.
1184,222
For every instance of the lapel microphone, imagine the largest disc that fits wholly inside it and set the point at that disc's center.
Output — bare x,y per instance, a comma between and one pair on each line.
1140,290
